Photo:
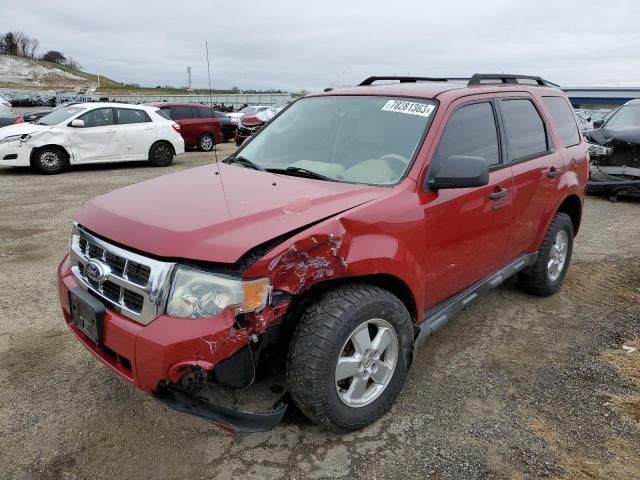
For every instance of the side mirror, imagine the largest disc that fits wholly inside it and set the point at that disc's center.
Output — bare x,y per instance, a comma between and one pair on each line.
461,171
598,123
77,123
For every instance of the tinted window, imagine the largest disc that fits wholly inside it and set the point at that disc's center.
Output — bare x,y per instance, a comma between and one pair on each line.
202,112
564,119
100,117
127,115
471,131
180,113
625,116
525,130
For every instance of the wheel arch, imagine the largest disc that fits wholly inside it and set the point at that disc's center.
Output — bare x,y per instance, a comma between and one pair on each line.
162,140
572,206
36,150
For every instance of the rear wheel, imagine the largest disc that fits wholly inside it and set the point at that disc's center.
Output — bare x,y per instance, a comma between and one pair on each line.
545,277
206,142
349,357
161,154
50,160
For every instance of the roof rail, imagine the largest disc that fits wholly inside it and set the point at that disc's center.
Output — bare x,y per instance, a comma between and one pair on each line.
477,79
371,80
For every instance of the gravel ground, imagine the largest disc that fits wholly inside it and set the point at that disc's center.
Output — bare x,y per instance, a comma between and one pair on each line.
516,387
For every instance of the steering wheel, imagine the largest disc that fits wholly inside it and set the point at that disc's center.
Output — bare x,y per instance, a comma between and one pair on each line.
395,159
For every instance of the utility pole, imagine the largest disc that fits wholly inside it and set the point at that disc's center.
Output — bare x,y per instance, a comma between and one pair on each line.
189,77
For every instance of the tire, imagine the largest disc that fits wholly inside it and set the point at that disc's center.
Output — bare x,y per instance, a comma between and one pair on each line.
50,160
545,277
161,154
324,334
206,142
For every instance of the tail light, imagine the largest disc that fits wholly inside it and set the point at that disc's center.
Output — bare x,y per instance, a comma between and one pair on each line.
19,120
176,127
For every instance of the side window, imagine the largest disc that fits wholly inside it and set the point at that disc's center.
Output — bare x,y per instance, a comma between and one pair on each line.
181,113
100,117
164,113
526,135
128,115
202,112
564,119
471,131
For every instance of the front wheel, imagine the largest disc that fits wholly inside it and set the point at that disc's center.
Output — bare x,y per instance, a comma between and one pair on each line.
349,357
161,155
50,160
545,277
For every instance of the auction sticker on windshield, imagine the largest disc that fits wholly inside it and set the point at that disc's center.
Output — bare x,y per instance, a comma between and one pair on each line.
411,108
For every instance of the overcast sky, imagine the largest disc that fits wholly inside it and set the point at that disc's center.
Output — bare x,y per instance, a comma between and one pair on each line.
296,44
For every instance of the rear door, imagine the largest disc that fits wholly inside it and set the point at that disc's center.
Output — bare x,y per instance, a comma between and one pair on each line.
537,169
95,142
183,116
135,131
467,228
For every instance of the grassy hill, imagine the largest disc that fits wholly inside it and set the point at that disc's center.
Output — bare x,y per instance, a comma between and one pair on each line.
93,78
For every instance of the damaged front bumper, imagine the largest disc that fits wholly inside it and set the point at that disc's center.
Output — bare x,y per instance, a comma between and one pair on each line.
614,180
158,357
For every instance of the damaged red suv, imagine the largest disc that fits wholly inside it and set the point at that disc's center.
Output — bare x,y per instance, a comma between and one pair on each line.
352,226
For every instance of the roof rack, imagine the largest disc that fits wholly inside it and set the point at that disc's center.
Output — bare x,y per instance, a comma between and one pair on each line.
478,78
371,80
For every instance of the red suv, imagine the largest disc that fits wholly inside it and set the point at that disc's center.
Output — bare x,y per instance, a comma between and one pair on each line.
349,228
199,125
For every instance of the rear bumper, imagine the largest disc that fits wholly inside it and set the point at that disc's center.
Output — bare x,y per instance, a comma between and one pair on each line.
165,349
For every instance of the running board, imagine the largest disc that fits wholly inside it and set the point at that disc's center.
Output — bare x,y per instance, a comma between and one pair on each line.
437,317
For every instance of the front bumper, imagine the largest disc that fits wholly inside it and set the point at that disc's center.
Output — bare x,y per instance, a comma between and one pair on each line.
154,357
15,154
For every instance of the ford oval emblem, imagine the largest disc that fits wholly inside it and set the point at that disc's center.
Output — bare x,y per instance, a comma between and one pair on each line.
96,271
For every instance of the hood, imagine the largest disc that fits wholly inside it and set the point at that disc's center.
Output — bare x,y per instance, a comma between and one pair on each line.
235,114
217,212
254,119
612,136
21,129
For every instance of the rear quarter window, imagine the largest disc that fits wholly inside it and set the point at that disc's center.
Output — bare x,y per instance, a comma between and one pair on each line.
525,130
563,119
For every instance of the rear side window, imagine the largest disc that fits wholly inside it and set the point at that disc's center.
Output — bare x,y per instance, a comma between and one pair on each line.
180,113
470,131
526,135
202,112
127,115
164,113
564,119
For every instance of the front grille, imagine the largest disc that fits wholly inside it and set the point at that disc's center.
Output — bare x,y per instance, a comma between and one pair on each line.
133,285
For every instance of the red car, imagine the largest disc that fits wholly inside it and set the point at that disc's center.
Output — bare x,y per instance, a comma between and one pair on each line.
250,123
199,125
351,227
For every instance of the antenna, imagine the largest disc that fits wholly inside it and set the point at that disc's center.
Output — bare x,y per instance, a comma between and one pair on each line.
206,46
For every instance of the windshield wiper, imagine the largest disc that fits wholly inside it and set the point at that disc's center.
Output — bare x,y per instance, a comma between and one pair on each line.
240,160
302,172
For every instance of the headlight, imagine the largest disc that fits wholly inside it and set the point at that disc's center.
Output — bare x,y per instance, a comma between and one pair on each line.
15,138
599,150
197,294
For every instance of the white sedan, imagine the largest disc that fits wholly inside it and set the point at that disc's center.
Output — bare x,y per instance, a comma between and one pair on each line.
236,116
92,133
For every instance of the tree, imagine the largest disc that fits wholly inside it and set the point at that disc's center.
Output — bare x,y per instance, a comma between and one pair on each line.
23,42
70,62
54,56
10,46
35,44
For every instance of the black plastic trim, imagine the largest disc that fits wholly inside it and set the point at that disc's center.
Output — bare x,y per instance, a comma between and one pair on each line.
371,80
236,420
477,79
11,156
438,316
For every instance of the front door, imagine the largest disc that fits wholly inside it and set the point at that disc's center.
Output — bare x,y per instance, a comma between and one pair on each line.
95,141
467,228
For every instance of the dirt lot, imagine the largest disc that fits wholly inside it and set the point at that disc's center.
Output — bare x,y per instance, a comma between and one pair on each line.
516,387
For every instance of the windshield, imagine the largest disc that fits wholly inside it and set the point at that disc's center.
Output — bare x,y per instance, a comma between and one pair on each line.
248,109
359,139
59,116
626,116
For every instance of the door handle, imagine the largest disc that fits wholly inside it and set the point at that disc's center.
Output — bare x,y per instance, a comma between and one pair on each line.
574,163
553,172
111,131
499,194
148,128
